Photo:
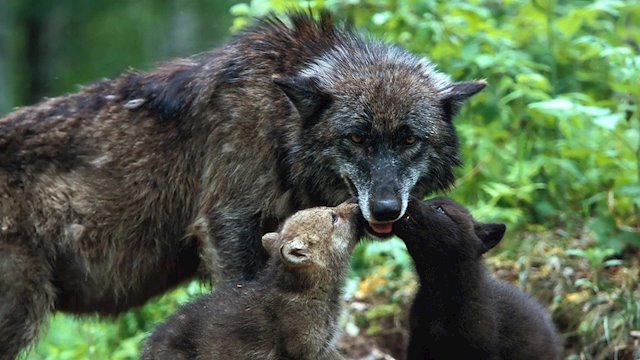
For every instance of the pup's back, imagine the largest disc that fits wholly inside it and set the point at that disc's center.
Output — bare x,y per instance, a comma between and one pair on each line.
289,312
525,330
460,311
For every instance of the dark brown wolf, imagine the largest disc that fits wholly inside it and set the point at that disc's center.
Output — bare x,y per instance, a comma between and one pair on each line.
289,312
123,190
460,311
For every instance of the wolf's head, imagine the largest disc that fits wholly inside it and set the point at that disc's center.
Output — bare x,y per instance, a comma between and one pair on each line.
382,119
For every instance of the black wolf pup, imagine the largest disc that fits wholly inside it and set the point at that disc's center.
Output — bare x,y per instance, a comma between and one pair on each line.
460,311
289,312
125,189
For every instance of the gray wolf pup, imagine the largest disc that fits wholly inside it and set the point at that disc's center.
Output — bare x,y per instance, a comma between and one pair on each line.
121,191
289,312
460,311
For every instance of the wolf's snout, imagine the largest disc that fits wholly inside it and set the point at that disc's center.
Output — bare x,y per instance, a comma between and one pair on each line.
387,209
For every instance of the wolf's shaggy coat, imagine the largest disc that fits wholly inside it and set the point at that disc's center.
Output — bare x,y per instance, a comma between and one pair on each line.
119,192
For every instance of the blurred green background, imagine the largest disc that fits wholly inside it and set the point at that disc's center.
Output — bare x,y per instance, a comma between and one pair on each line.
551,147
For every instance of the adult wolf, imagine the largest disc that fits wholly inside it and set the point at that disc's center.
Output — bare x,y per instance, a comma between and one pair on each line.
117,193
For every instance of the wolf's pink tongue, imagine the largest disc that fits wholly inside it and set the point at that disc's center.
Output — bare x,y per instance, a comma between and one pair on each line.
382,228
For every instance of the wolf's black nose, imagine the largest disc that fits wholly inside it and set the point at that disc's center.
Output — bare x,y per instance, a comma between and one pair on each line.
386,209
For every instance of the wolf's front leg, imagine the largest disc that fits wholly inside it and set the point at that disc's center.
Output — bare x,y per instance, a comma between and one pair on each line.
230,244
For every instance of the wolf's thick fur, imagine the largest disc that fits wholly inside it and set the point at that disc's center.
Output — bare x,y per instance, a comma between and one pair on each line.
119,192
460,311
289,312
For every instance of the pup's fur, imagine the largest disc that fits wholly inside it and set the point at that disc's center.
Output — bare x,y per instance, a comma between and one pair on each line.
119,192
289,312
460,311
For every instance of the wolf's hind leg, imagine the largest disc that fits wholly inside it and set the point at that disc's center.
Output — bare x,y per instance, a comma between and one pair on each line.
26,297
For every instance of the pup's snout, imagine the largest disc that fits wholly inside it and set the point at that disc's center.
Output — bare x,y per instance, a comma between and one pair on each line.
347,208
387,209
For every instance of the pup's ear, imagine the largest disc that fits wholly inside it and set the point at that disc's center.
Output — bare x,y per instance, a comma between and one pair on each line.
295,253
490,234
453,96
306,96
270,242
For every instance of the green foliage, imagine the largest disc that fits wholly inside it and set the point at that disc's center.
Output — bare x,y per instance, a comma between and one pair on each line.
378,266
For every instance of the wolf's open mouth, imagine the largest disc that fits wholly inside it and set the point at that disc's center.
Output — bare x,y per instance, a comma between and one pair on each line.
380,230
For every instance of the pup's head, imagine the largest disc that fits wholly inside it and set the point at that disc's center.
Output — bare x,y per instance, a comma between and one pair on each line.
317,239
382,119
442,228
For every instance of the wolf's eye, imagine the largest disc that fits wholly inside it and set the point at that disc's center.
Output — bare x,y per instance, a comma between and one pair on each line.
334,218
357,139
440,209
410,140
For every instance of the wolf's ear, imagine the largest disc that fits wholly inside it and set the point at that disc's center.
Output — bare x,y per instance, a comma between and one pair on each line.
453,96
490,234
270,242
295,253
306,96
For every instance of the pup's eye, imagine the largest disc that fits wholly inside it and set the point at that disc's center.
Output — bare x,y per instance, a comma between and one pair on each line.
334,218
410,140
440,210
357,139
